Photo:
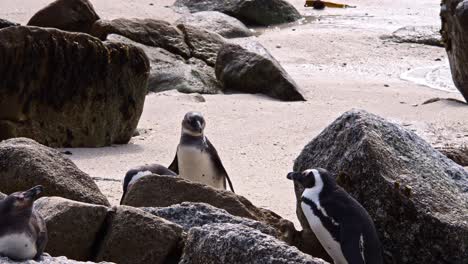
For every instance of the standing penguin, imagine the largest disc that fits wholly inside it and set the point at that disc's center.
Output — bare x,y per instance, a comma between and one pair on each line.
341,224
196,158
23,232
136,173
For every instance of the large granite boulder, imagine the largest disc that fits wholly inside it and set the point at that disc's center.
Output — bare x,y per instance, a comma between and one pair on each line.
204,44
163,191
69,15
46,259
172,72
238,244
253,12
25,163
73,227
69,89
150,32
135,236
224,25
427,35
416,196
189,215
250,68
454,15
5,23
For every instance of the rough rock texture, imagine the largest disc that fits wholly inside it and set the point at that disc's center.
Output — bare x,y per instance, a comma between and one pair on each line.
224,25
427,35
150,32
172,72
454,15
69,89
162,191
135,236
203,44
235,243
251,69
73,227
46,259
459,154
25,163
254,12
69,15
5,23
189,215
416,196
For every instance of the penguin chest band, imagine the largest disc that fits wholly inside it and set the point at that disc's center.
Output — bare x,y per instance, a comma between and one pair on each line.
18,246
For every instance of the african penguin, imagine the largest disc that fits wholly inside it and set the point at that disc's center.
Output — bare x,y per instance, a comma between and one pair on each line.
341,224
136,173
23,232
196,158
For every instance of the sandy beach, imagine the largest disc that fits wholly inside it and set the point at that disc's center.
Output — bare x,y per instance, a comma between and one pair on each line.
337,58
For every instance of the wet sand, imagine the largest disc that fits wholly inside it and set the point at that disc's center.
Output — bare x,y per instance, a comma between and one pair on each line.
338,60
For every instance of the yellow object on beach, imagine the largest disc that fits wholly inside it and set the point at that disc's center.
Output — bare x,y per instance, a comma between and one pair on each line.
328,4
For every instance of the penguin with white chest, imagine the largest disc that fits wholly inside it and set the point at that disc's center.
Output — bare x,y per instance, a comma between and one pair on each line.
196,158
23,232
340,223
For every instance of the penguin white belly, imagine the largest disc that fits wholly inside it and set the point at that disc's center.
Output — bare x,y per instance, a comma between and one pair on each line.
196,166
323,235
18,246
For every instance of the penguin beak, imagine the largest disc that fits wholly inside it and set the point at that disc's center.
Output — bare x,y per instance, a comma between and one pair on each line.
199,127
33,192
292,176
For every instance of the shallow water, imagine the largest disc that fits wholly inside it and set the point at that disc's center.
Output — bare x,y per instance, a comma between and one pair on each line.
436,77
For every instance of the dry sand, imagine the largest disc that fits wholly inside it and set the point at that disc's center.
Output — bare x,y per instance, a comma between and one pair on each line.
335,56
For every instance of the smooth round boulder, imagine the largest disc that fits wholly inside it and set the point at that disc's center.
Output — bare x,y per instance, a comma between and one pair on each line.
69,89
73,227
68,15
25,163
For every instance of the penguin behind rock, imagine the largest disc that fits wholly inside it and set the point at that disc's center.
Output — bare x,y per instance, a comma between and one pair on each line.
138,172
341,224
23,232
196,158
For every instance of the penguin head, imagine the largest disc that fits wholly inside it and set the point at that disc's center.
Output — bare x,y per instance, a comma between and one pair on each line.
21,202
193,124
311,178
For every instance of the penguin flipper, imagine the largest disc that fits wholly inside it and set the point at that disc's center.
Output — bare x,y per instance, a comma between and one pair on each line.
353,247
175,165
218,164
42,238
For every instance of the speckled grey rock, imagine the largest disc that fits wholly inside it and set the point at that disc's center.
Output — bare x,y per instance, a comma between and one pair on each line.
427,35
224,25
47,259
257,12
248,67
190,215
239,244
454,15
416,196
172,72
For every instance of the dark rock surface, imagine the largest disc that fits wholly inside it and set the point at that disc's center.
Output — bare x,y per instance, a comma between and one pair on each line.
73,227
254,12
235,243
25,163
204,44
416,196
5,23
250,68
454,15
2,196
224,25
427,35
68,15
135,236
150,32
69,89
47,259
189,215
172,72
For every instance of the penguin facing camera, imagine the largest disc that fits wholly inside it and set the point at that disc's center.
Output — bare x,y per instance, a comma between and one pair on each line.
340,223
